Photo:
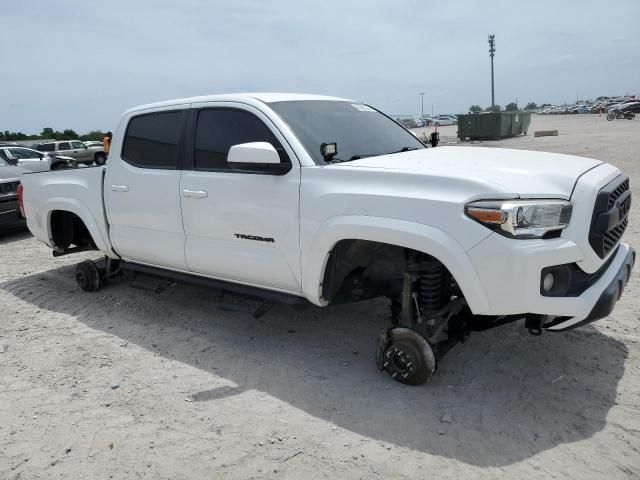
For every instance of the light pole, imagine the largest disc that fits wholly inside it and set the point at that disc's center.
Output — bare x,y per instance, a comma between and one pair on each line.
492,51
422,106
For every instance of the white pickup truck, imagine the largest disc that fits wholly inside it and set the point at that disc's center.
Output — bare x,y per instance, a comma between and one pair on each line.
322,200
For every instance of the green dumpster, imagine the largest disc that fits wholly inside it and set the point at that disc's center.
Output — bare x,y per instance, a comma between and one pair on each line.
492,125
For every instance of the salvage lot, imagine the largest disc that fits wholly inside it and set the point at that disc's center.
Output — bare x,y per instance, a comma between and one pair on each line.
129,384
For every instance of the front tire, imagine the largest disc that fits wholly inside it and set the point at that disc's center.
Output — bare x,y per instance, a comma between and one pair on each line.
88,276
100,159
59,166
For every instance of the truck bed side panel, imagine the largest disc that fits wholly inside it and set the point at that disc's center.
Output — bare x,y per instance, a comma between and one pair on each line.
79,191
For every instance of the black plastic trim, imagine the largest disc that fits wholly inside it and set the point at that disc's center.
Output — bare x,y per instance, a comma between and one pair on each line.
570,279
610,219
610,295
181,277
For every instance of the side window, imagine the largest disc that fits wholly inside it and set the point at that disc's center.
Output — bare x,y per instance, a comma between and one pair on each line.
22,153
46,147
64,146
217,130
77,145
152,140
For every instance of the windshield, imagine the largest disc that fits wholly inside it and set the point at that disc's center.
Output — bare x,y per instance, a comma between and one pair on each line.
358,130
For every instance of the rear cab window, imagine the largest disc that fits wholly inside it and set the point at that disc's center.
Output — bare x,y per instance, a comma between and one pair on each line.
46,147
152,140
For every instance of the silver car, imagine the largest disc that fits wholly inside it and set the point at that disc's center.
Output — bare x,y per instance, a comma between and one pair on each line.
75,149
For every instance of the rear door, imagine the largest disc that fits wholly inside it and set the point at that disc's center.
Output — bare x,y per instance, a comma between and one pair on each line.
239,226
142,189
64,148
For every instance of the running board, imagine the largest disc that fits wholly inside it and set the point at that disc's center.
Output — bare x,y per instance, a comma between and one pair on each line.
69,251
170,277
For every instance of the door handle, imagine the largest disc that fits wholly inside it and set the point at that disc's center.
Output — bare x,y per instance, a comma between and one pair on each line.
119,188
195,193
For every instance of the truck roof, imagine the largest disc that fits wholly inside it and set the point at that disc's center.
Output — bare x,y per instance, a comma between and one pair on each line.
266,97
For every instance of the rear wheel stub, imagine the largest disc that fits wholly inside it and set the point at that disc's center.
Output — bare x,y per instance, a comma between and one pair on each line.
406,356
88,276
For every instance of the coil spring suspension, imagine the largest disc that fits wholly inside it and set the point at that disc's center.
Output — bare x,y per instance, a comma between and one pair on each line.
434,288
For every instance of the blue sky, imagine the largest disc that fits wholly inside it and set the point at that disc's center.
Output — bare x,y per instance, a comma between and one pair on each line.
79,64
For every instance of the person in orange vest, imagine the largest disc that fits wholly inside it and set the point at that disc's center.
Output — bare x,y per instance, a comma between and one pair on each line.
106,143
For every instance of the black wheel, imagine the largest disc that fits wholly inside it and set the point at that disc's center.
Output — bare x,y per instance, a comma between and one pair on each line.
60,166
407,356
88,276
100,158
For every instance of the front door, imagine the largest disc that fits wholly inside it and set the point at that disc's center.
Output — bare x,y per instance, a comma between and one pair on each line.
142,189
242,227
80,151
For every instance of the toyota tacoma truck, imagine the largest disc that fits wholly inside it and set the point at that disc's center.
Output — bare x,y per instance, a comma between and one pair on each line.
318,200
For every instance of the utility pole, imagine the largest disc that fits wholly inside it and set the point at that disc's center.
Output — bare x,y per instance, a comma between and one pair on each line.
492,51
422,106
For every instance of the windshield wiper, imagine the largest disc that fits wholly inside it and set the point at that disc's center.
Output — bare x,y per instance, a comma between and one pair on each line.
404,149
355,157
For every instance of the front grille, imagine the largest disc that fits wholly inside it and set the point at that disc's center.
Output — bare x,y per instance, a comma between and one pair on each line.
613,196
9,188
610,215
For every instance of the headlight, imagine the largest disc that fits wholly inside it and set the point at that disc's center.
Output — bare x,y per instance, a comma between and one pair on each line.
521,218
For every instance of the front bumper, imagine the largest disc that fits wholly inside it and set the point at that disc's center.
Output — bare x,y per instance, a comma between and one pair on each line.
607,299
510,271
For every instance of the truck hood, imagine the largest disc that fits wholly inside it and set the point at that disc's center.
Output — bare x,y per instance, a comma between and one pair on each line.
511,172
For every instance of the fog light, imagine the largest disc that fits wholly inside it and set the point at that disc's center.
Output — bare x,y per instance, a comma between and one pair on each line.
548,282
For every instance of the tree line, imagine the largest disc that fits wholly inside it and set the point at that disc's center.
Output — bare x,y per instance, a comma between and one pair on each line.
510,107
49,133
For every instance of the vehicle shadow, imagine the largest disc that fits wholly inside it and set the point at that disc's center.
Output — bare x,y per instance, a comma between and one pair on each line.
14,234
500,398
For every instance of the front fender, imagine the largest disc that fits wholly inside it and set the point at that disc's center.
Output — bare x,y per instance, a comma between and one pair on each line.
82,211
411,235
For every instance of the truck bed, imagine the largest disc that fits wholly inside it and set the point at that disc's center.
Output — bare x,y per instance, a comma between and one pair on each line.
79,191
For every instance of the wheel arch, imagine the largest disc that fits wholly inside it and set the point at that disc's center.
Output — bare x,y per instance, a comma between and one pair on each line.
400,233
58,208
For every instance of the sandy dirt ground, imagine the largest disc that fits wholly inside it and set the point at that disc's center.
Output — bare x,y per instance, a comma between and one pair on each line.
128,384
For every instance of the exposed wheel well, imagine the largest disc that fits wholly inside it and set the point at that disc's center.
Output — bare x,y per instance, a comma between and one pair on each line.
362,269
68,229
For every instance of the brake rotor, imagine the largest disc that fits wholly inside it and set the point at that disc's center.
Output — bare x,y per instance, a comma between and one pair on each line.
406,356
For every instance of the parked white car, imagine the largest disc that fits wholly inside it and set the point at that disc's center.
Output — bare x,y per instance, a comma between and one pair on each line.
442,120
321,200
34,160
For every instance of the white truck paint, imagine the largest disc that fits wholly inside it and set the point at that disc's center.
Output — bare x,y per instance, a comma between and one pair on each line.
201,222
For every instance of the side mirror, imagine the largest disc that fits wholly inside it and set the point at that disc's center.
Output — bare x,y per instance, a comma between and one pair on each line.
256,157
